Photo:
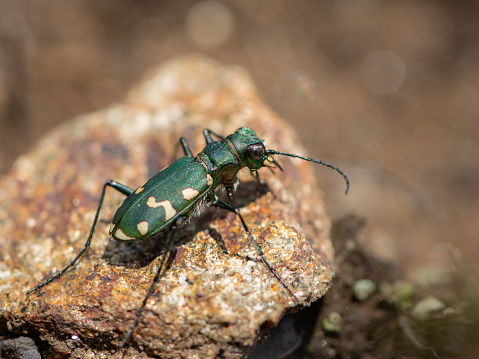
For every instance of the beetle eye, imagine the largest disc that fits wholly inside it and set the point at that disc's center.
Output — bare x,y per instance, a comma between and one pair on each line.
256,151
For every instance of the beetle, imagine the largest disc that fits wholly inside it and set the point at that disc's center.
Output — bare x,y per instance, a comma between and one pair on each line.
182,190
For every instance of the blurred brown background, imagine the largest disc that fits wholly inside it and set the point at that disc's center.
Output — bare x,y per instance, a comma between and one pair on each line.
386,90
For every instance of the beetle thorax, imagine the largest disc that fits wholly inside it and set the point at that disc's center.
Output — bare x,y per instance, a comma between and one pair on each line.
221,162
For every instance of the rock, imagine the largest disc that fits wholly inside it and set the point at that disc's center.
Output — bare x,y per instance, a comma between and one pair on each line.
332,323
363,289
423,309
19,348
209,303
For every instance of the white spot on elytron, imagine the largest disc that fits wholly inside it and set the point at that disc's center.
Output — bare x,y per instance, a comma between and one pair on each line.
189,193
119,234
209,179
139,189
170,212
143,227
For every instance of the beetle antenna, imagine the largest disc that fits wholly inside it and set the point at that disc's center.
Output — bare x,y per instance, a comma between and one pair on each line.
273,152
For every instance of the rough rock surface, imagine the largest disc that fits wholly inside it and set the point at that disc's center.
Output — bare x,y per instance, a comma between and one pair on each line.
210,302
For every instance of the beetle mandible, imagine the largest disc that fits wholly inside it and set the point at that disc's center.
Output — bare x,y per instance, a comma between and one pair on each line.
182,190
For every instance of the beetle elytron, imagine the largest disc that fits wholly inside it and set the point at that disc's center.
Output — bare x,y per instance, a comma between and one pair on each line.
181,190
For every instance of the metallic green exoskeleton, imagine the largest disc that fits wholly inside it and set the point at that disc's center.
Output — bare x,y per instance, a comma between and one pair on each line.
182,190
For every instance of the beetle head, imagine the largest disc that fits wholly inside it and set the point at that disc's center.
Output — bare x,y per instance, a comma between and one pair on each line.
249,147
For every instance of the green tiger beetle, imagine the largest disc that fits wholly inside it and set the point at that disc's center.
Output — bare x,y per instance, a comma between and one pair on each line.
182,190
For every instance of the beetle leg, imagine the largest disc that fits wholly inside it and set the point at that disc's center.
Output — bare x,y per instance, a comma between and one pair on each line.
258,179
207,133
230,187
229,192
229,207
169,246
110,183
186,147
